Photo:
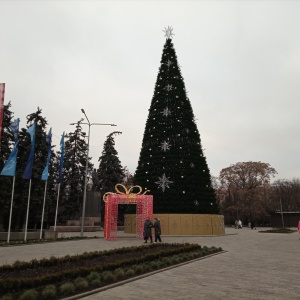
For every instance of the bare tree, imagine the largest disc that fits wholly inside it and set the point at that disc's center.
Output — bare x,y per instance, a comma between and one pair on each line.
286,192
248,189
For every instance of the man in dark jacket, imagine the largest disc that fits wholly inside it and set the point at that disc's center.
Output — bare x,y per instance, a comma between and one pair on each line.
147,230
157,230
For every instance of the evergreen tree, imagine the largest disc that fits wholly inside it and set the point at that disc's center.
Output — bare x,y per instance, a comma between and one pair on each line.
172,164
37,186
72,186
51,193
5,149
110,172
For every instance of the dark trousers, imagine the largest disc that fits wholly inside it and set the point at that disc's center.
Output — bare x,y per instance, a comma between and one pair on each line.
146,239
157,237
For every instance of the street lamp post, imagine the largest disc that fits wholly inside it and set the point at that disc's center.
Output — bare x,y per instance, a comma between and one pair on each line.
86,167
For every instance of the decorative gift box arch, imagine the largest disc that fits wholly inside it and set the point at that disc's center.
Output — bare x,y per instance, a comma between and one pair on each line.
144,209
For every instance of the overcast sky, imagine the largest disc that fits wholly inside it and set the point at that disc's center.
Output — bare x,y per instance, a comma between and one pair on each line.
240,61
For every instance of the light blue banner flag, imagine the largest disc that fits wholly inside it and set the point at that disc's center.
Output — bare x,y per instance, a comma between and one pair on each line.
28,169
62,153
9,168
48,141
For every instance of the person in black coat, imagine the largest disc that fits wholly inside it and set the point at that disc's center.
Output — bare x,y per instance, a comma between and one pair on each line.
147,230
157,230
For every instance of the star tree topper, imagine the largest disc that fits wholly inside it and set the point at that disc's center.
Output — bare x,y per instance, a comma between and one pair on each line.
168,32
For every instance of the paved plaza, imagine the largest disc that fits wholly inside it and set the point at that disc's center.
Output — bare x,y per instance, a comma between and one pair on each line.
255,266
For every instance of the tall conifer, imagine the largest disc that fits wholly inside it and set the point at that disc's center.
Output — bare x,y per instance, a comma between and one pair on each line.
110,171
74,174
172,164
5,149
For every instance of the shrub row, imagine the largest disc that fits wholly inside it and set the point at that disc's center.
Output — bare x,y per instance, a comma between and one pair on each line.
54,261
157,256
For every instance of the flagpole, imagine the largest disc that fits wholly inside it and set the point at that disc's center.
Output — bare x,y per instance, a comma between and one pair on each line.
25,235
11,206
56,207
42,222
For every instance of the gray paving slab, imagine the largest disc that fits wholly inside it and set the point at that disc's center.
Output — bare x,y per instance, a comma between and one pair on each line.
255,266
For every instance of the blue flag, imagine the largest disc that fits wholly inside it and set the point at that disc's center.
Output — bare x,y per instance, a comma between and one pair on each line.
48,141
62,152
9,168
28,169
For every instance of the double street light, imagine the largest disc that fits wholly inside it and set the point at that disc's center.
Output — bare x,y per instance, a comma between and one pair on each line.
86,166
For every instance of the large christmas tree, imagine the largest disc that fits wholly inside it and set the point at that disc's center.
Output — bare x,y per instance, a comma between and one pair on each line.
171,164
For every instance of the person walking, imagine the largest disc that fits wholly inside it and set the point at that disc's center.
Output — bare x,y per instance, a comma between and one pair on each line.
147,230
240,224
157,230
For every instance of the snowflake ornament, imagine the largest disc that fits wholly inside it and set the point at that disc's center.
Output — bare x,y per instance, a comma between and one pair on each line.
169,87
165,146
169,63
196,202
166,112
163,182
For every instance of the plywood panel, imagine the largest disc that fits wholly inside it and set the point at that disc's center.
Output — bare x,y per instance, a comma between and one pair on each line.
218,224
128,223
198,228
174,224
202,225
182,224
133,224
164,222
186,224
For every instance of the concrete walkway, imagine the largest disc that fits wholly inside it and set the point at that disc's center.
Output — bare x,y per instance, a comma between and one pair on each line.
256,266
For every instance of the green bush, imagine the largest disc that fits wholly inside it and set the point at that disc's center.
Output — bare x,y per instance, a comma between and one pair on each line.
93,276
29,295
147,268
6,297
119,273
129,273
161,264
174,260
213,249
185,257
108,276
138,269
67,289
18,264
153,265
167,261
180,258
196,254
95,283
81,283
49,292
